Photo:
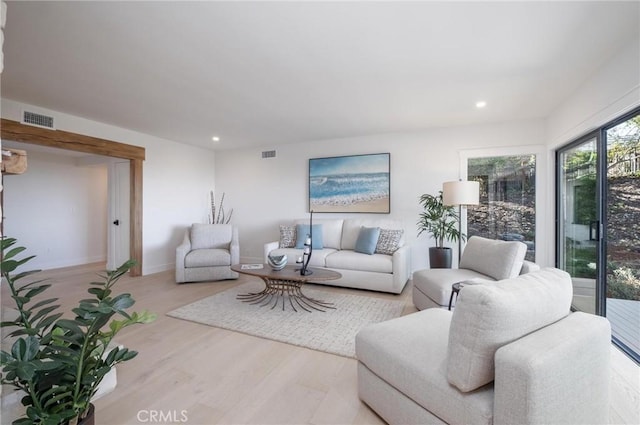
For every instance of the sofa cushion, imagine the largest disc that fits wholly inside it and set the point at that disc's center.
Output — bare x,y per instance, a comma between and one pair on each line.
495,258
351,260
490,315
389,241
367,240
331,231
211,235
287,236
436,283
410,354
302,233
351,229
207,258
528,267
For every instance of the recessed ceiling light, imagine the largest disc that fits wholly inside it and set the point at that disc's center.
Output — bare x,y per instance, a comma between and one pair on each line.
481,104
215,138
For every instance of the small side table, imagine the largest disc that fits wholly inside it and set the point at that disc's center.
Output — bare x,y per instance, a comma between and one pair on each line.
455,289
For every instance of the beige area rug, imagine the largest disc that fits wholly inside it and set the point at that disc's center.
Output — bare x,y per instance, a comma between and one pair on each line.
333,331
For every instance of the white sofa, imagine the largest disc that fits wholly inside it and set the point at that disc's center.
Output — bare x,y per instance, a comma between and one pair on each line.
377,272
483,260
510,353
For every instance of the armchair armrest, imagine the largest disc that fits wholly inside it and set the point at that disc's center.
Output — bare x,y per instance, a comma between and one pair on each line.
234,246
558,374
181,252
234,250
268,247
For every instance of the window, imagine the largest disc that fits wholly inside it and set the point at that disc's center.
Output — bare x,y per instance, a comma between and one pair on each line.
507,209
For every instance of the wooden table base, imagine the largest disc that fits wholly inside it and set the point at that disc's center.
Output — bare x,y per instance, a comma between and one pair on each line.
278,291
286,284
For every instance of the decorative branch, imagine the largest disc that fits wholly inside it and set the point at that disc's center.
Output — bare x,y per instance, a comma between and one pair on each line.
221,217
212,216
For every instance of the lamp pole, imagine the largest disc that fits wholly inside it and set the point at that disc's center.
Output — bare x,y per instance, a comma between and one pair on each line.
459,233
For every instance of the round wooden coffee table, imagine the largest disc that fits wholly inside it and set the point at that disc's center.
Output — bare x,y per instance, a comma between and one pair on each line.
286,284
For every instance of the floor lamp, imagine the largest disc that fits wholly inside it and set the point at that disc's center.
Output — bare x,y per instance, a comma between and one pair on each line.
460,193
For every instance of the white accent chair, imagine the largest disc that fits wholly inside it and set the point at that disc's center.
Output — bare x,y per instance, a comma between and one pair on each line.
510,353
483,260
207,253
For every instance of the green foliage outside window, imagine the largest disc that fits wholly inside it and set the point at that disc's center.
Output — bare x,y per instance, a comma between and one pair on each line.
623,283
585,200
507,199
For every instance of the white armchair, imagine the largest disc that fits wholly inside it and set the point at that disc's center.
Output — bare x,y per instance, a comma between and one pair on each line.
482,260
207,253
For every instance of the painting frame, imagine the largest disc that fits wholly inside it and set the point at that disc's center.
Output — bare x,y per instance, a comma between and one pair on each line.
350,184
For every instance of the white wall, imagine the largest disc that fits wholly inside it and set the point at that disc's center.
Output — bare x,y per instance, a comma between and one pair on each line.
176,182
266,192
611,92
58,210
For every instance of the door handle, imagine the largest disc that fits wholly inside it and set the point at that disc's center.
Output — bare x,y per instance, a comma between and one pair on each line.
594,230
117,222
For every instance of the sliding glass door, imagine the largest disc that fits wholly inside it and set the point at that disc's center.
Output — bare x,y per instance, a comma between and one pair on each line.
598,225
578,220
622,303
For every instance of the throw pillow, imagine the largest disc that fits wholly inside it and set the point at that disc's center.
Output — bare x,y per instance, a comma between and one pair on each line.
287,236
367,240
488,316
302,231
389,241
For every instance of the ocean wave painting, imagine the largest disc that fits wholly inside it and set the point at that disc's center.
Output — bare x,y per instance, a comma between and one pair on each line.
358,183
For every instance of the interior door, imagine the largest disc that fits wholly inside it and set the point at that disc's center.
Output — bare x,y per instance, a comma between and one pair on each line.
119,225
579,224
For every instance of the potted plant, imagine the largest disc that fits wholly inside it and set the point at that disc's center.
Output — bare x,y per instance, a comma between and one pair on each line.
59,362
440,220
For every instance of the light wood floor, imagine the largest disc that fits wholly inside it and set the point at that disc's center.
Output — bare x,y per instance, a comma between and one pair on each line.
198,374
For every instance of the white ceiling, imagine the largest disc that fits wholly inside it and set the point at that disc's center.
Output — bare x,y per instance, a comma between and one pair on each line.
268,73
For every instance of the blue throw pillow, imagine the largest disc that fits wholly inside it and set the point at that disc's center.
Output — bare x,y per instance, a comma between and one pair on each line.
367,240
302,231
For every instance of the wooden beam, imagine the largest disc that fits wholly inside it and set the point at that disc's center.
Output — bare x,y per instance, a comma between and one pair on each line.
13,130
135,239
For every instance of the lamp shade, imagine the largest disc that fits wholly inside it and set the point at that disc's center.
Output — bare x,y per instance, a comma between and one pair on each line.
461,193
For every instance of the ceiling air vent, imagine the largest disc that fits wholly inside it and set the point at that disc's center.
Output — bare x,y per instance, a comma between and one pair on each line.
39,120
268,154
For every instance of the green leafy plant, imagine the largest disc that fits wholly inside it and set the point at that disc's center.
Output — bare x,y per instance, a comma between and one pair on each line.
57,362
623,284
438,219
